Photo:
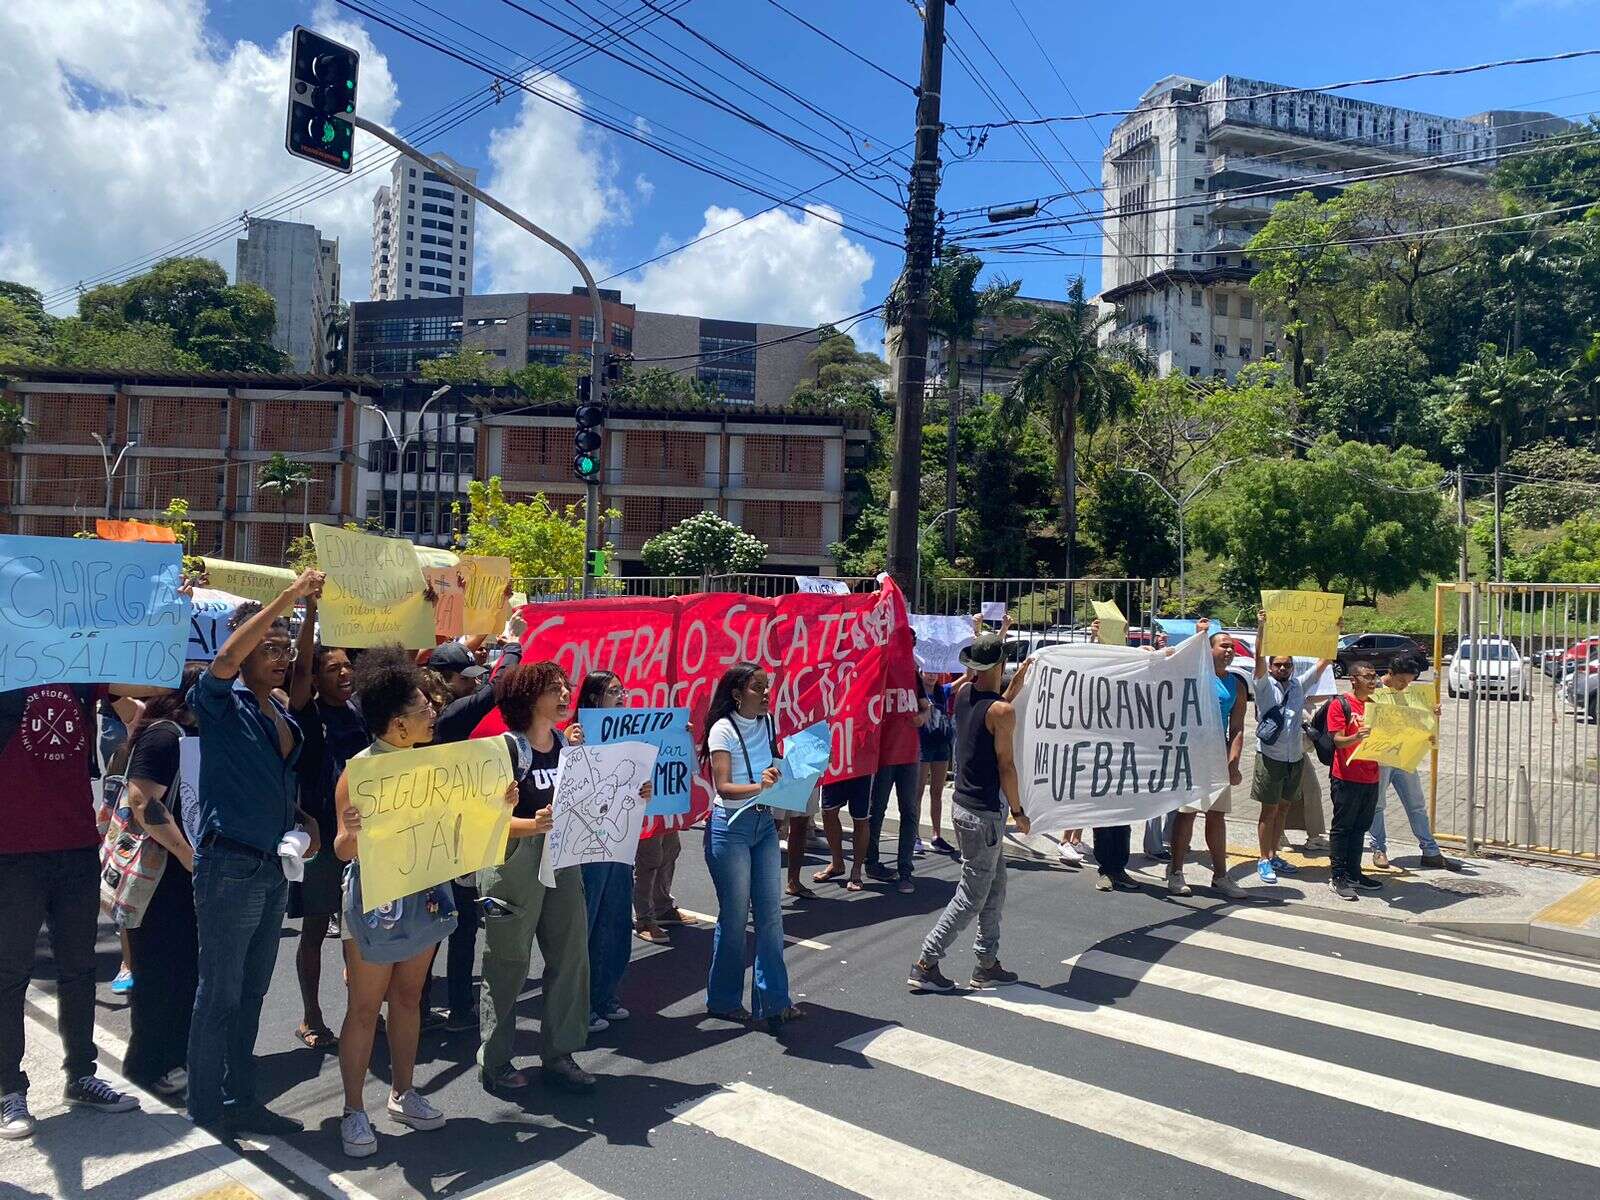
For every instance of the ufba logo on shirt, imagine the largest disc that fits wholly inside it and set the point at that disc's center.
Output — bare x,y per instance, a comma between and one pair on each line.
53,727
543,778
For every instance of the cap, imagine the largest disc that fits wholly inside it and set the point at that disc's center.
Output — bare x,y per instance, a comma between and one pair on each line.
453,658
987,650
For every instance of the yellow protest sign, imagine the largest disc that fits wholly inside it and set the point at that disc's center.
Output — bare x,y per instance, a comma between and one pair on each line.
1113,625
428,815
1303,624
374,591
264,584
449,605
1403,727
486,579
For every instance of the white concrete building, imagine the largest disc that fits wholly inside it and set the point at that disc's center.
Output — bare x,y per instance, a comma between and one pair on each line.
300,268
1183,178
423,229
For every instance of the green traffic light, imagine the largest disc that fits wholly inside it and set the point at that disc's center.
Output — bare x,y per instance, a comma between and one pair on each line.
328,133
586,464
345,154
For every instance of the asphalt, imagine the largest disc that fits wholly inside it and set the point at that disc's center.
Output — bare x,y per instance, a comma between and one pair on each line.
676,1116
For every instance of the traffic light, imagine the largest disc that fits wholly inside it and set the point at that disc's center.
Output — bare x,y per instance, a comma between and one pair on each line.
591,418
597,563
322,87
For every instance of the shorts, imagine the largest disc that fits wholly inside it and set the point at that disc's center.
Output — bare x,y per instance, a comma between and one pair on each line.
935,751
854,794
1276,782
319,895
1220,801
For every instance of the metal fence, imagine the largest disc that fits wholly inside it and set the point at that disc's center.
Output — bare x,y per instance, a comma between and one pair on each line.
1517,767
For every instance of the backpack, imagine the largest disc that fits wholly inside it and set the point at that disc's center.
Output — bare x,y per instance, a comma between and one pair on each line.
131,861
1321,739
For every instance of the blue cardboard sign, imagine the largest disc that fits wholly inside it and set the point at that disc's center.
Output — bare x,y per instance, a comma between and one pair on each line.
78,610
667,729
804,762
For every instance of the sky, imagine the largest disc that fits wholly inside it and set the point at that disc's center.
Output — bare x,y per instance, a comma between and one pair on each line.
136,128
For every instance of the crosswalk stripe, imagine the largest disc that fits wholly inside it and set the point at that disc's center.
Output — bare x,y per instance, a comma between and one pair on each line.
1464,1114
1347,968
547,1181
1589,966
788,937
1368,936
840,1152
1282,1167
1516,1055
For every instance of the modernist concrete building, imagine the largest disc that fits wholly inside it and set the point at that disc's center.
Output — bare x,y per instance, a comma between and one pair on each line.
423,230
300,268
1192,175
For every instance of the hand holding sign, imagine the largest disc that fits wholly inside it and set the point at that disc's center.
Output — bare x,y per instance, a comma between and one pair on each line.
1301,623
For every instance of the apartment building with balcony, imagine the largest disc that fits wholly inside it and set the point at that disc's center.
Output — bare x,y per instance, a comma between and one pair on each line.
203,437
1192,175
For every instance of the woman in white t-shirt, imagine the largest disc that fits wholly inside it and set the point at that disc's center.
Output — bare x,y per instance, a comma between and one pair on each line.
742,851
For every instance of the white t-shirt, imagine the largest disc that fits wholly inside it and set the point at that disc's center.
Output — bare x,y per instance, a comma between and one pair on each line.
756,733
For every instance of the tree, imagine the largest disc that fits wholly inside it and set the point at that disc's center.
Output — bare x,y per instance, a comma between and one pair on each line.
1416,222
13,425
837,363
25,327
1304,283
704,544
1541,505
1574,557
467,364
1068,379
1373,390
108,341
280,475
541,540
1133,524
1497,392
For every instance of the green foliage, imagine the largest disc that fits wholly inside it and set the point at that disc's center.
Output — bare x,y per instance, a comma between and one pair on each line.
1565,171
543,384
837,364
25,327
1496,394
542,541
468,364
704,544
176,518
1005,477
1132,523
657,387
1374,390
109,342
13,425
1574,557
1302,283
1538,505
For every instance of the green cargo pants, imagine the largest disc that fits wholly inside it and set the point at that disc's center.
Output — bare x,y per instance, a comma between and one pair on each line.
558,918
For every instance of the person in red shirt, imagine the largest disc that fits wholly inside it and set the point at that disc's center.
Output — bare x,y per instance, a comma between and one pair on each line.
1354,785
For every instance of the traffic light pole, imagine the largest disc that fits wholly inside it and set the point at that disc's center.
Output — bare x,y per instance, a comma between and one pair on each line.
597,346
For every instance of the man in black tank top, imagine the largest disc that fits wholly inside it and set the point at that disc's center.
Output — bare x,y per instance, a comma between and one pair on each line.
985,790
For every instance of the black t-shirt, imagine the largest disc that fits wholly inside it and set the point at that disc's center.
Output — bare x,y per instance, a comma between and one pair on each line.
334,734
538,786
155,757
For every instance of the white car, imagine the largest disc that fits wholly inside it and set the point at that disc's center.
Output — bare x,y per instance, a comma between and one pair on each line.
1492,664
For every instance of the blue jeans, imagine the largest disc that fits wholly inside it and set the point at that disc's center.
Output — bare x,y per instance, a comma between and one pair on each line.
239,901
608,897
748,875
1408,784
906,782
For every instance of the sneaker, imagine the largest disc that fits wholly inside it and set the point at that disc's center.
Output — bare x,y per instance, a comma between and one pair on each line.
461,1022
1069,855
926,977
1438,862
1284,868
173,1082
1368,884
1380,860
1176,884
1342,889
881,873
616,1013
942,846
598,1024
918,847
16,1122
432,1018
1162,856
1230,889
123,983
1102,883
1265,872
676,916
992,975
355,1133
566,1074
94,1092
1123,882
335,928
1316,845
905,887
411,1109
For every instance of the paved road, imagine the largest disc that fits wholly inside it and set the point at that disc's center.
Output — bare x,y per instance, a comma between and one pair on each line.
1156,1047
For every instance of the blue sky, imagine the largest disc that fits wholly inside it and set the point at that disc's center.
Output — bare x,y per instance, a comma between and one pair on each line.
621,202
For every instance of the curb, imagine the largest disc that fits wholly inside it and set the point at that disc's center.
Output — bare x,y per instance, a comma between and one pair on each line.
1538,935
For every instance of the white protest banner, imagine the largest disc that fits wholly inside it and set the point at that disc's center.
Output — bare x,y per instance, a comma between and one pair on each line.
597,808
940,641
1112,735
817,584
209,615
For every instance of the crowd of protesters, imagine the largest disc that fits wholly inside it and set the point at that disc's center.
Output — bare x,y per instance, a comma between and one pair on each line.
276,717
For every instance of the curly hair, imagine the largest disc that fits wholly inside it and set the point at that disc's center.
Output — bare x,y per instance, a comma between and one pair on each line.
249,609
517,690
386,679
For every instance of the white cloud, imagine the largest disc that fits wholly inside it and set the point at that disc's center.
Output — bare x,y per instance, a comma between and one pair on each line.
120,140
780,267
553,168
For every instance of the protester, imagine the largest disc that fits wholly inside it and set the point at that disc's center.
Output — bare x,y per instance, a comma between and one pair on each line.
607,886
741,846
164,943
1112,849
388,951
50,875
1354,785
653,869
320,689
1229,693
1403,672
1280,748
249,751
113,745
985,722
855,797
903,779
534,698
935,741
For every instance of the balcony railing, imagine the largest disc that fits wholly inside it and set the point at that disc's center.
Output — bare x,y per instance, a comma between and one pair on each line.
661,477
788,481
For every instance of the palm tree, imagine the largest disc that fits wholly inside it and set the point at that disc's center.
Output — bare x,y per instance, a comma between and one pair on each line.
282,474
1068,378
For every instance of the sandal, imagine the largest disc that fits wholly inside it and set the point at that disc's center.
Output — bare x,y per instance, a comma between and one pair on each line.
799,890
828,874
653,934
320,1038
853,885
778,1020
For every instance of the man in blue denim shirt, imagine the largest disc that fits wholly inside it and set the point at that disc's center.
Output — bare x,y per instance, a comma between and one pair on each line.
249,746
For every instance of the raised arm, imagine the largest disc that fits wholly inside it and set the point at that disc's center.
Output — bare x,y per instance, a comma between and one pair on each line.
245,638
1261,643
303,675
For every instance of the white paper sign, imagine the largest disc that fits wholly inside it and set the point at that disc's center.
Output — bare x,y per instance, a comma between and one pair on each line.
1112,735
816,583
189,787
940,641
597,807
993,610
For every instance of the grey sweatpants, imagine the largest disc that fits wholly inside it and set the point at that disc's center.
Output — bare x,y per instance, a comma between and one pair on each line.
982,890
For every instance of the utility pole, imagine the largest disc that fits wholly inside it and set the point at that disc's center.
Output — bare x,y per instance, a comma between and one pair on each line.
1499,501
1464,568
111,467
911,363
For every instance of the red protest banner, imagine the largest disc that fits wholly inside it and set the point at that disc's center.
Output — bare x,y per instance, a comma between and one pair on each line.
846,659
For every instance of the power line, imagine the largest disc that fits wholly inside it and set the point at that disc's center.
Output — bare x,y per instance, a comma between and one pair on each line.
826,36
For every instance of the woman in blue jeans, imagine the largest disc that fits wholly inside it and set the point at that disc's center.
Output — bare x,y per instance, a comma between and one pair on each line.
607,886
742,851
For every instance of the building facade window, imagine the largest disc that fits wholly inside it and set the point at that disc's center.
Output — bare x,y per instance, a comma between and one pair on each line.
738,387
726,351
549,356
549,325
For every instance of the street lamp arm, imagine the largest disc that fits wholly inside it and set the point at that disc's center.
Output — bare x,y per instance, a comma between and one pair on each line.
1200,487
1159,485
384,417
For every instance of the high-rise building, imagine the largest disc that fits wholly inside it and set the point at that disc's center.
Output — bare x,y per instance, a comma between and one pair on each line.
300,268
422,233
1193,174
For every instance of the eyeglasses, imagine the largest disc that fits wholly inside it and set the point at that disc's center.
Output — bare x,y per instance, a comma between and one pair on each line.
427,710
280,651
1281,666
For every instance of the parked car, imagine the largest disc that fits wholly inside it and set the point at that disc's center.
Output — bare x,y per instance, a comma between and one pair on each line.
1374,648
1578,654
1581,686
1549,661
1491,664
